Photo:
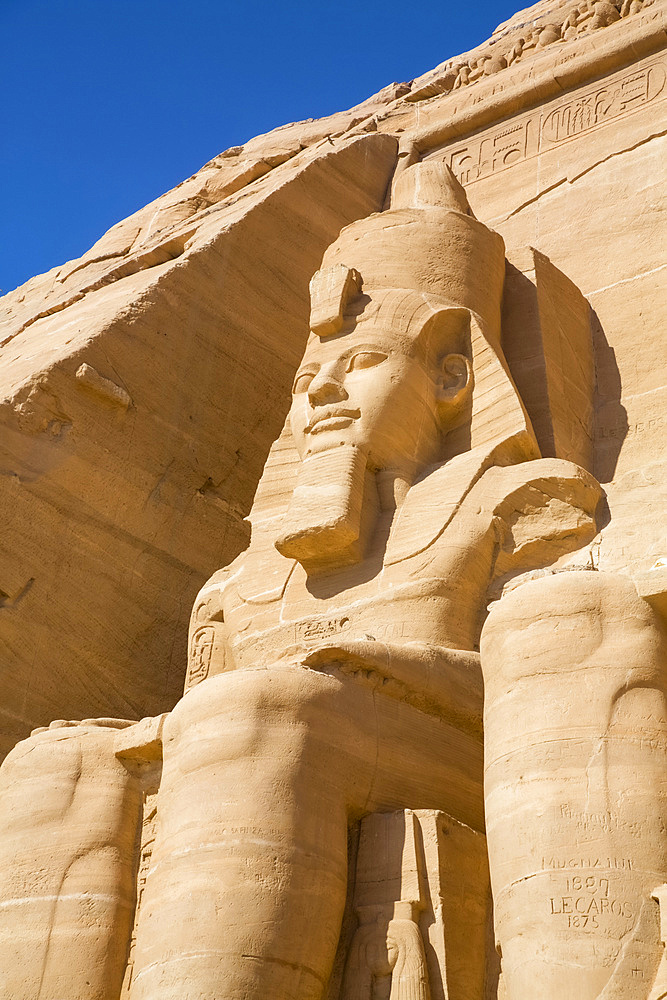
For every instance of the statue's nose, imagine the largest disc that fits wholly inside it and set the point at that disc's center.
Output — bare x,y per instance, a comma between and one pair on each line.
325,388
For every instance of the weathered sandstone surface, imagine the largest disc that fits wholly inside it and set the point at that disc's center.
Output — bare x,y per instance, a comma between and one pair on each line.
143,384
421,749
141,394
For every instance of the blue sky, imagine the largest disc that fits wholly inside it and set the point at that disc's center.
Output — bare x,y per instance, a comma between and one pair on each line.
108,103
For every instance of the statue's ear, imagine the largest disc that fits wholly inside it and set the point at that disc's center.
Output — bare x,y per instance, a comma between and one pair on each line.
445,343
454,382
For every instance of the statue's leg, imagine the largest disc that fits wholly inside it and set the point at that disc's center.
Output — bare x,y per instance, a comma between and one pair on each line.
262,770
576,800
248,880
68,821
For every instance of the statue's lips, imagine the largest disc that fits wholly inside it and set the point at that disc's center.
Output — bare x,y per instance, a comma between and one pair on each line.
332,420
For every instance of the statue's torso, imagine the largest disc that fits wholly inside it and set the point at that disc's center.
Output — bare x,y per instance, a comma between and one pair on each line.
412,606
425,579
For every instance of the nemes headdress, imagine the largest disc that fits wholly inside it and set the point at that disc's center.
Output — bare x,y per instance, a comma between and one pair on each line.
424,255
429,244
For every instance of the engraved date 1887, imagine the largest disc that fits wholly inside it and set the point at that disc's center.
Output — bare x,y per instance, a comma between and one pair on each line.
587,903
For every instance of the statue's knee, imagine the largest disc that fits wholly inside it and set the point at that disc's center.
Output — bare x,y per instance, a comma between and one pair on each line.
246,713
64,787
570,622
39,776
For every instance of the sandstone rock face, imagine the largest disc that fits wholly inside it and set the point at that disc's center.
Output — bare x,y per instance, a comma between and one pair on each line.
141,393
122,472
421,751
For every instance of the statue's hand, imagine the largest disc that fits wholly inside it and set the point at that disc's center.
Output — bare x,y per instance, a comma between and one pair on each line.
72,723
449,680
355,654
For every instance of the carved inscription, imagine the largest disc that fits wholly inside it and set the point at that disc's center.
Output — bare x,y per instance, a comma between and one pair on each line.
618,864
148,831
600,106
200,655
531,134
587,903
321,628
496,152
390,630
621,431
324,628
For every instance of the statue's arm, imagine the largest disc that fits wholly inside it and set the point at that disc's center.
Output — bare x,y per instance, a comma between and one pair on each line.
448,680
528,516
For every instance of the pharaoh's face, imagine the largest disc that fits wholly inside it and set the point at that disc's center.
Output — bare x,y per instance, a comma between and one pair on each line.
365,388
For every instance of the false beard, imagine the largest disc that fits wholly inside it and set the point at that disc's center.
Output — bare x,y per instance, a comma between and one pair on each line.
332,511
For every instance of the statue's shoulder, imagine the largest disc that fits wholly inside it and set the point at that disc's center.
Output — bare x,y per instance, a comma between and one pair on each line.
208,605
537,510
259,575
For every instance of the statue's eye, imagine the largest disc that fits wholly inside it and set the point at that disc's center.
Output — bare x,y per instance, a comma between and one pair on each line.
366,359
302,381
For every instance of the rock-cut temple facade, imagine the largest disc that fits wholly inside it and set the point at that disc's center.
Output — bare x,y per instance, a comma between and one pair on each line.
333,576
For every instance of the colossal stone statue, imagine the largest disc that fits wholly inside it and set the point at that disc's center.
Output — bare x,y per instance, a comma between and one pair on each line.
335,676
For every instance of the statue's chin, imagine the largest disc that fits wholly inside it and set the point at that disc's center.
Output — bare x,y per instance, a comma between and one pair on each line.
331,513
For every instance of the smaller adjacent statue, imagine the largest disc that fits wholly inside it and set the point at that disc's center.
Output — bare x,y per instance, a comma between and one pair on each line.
334,670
